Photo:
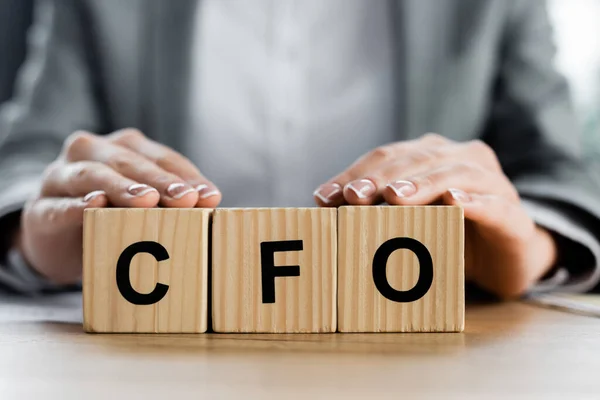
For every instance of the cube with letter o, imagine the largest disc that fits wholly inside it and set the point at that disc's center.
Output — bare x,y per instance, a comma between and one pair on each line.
401,269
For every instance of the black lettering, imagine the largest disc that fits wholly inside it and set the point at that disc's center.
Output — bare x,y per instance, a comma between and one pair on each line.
123,267
425,270
268,269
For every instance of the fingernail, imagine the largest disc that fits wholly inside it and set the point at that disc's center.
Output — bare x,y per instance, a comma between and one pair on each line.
363,188
403,188
93,195
328,193
205,191
178,190
460,195
140,189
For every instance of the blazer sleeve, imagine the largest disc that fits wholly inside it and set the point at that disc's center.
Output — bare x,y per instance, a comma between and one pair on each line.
55,95
15,19
532,128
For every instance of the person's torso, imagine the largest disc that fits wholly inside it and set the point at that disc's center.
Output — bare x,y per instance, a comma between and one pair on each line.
285,94
271,98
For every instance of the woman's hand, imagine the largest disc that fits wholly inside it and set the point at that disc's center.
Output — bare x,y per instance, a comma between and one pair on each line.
506,252
124,169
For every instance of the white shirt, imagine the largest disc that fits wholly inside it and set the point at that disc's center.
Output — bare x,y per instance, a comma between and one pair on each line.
286,94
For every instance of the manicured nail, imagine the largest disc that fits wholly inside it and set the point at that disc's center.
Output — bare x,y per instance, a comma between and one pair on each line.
205,191
363,188
140,189
92,195
403,188
178,190
459,195
328,193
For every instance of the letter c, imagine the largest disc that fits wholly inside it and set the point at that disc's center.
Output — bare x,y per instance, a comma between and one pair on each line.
124,265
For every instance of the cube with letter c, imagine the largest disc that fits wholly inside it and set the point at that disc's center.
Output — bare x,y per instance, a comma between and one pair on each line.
401,269
274,270
145,270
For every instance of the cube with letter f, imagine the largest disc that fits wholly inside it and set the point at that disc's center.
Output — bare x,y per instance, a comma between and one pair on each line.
274,270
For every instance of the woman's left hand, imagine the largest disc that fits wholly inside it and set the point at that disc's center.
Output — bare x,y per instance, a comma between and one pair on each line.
505,251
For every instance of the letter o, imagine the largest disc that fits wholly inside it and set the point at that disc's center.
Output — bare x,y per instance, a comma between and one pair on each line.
425,269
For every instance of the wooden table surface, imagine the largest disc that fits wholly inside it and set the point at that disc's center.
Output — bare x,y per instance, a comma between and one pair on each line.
514,349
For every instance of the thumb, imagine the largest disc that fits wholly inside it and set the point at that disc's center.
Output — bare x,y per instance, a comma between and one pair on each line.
51,234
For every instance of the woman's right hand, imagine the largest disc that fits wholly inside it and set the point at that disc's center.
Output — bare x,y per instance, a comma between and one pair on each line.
123,169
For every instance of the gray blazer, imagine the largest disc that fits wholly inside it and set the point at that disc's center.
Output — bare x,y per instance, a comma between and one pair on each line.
15,19
465,68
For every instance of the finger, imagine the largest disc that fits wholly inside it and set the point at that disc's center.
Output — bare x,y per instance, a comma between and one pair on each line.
492,212
347,186
369,189
329,195
497,220
53,215
81,178
428,188
56,225
479,152
173,190
171,161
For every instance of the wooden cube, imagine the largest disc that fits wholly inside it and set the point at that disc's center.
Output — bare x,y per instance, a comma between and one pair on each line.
274,270
401,269
145,270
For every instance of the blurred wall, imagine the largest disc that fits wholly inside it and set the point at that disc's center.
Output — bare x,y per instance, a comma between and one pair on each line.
577,35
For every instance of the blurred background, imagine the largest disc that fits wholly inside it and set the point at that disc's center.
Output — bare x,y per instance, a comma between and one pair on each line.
577,36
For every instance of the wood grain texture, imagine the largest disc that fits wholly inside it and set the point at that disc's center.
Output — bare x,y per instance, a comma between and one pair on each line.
508,351
302,304
362,308
183,233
